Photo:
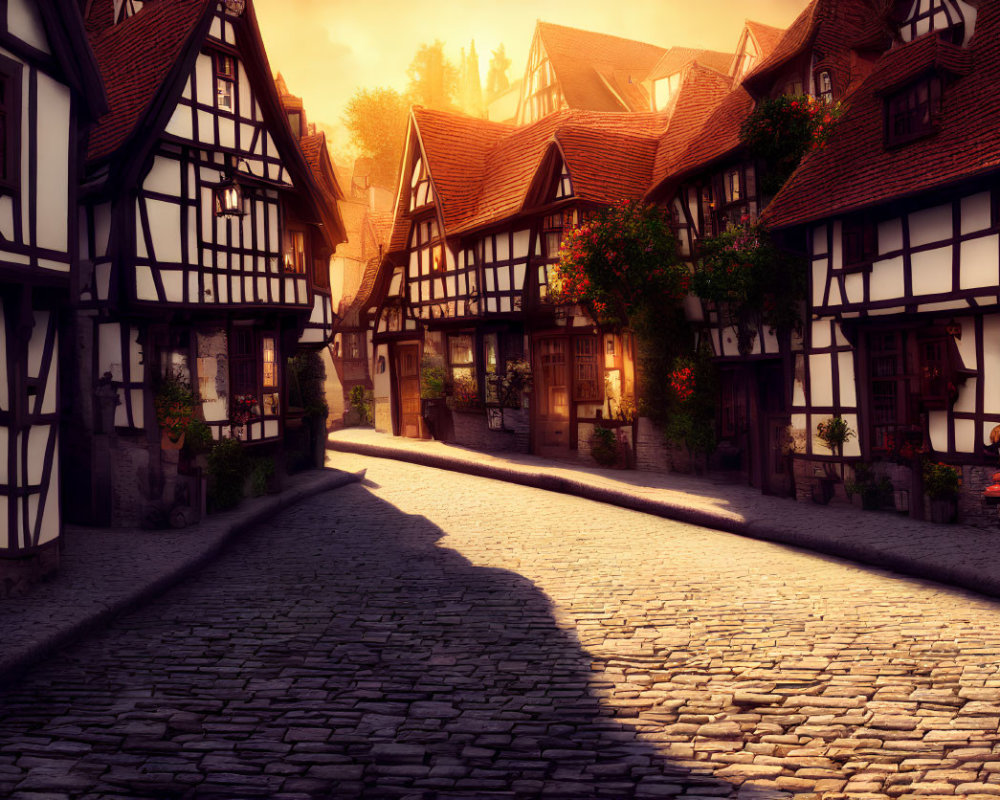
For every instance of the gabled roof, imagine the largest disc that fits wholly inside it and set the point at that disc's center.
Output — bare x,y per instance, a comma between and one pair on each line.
830,28
767,36
145,61
135,58
598,72
482,171
854,170
700,94
677,58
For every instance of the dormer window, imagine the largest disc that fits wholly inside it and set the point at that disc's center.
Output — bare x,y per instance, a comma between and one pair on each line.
225,81
911,113
824,86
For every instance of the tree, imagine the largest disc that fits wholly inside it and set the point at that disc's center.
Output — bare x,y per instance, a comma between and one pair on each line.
496,81
434,80
376,119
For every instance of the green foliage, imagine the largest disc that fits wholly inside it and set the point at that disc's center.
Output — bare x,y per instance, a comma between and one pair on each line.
604,447
361,401
833,432
693,389
941,481
433,377
621,262
306,378
754,281
261,474
198,437
780,131
228,467
376,120
174,402
875,489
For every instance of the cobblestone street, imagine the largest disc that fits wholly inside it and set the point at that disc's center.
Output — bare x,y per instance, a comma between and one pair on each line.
435,635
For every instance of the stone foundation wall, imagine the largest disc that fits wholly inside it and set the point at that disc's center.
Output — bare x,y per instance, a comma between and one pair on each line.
19,574
971,508
471,430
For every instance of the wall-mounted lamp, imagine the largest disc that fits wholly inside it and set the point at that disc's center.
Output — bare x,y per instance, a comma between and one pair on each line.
235,7
229,193
954,328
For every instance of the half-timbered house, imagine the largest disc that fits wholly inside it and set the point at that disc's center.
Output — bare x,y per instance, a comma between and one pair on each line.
715,183
480,215
206,241
50,92
577,69
901,211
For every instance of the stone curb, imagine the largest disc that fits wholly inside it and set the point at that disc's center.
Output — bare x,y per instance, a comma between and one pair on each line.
216,533
894,561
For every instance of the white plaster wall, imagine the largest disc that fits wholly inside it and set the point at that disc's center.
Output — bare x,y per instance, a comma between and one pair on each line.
54,103
930,225
24,22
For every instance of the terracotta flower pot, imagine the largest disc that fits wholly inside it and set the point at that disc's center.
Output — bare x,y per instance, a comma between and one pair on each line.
166,443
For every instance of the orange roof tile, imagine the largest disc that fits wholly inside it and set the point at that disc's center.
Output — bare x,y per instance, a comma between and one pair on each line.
855,170
135,58
677,58
598,72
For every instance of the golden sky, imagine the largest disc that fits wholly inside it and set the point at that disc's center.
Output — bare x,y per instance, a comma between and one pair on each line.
326,49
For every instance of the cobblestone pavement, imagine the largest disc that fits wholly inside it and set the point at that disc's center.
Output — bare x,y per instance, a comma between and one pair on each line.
435,635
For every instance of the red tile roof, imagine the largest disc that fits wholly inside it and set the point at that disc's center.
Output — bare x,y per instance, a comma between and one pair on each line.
598,72
829,28
700,94
855,171
482,171
766,36
135,58
677,58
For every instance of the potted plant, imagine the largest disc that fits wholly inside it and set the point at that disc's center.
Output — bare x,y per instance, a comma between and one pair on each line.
833,432
174,403
604,447
941,484
875,490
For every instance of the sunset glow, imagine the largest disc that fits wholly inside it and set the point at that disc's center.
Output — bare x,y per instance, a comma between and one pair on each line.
326,49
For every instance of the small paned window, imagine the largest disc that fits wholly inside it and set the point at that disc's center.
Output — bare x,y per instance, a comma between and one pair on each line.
912,112
295,256
824,87
586,386
859,242
225,81
564,188
462,367
733,187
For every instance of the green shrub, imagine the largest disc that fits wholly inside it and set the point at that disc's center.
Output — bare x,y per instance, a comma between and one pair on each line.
604,447
361,402
228,467
198,438
261,474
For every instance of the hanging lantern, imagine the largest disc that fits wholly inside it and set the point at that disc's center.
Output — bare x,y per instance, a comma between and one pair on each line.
229,199
235,7
954,328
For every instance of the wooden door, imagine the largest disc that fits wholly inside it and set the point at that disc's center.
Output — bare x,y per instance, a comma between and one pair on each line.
408,387
553,393
774,467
